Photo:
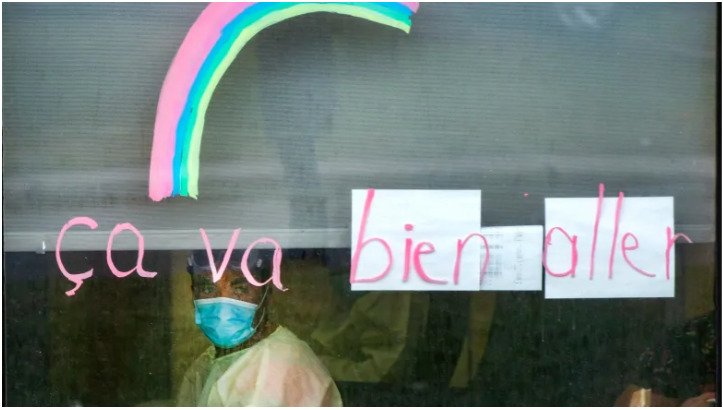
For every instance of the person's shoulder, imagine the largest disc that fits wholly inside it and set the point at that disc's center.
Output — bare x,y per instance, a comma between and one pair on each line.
194,377
204,359
285,337
286,346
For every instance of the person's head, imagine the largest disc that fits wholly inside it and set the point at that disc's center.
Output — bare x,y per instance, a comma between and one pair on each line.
233,283
226,311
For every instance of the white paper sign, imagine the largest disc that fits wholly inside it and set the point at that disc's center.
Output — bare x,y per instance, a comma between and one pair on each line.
413,235
515,261
635,262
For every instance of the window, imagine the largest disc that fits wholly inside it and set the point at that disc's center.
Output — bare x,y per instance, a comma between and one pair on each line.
521,101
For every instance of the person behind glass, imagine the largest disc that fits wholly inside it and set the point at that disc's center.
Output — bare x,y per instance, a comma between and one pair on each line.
253,362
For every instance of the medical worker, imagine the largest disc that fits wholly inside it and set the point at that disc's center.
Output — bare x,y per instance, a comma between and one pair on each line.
252,362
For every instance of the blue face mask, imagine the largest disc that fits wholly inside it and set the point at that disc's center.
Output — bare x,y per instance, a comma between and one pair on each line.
226,322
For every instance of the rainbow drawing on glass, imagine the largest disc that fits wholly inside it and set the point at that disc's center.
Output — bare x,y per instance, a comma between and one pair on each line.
210,46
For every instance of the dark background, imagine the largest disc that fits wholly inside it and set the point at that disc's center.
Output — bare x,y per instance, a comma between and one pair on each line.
110,343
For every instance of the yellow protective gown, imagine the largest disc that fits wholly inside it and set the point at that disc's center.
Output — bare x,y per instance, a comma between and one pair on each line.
280,370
